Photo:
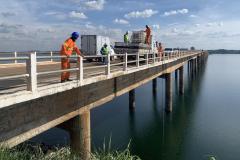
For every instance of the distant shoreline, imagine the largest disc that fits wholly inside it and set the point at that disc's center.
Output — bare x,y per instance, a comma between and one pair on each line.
223,51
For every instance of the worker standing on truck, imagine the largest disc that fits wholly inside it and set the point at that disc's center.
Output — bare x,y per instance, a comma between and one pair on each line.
148,35
126,38
105,52
67,48
160,50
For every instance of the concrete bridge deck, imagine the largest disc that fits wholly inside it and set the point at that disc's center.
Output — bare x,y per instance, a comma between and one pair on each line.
25,114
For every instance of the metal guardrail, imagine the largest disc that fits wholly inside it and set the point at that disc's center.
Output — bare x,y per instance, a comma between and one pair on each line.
31,64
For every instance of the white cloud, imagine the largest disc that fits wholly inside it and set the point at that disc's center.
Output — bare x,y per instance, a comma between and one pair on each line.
58,15
209,24
95,5
193,16
138,14
121,21
175,12
156,26
220,24
174,30
214,24
197,25
79,15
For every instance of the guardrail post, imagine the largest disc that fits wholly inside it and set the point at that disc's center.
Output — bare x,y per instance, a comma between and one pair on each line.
125,62
80,69
32,71
51,54
147,58
154,56
138,58
108,65
15,56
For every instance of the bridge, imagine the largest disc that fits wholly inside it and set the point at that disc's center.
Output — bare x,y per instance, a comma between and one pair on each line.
32,99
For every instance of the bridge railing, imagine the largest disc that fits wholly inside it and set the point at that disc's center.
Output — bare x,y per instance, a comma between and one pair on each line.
127,62
17,56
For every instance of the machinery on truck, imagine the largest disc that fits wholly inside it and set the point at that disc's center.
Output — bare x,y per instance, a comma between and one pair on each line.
91,46
136,45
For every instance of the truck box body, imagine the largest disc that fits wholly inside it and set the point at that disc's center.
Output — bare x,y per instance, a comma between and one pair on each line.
91,44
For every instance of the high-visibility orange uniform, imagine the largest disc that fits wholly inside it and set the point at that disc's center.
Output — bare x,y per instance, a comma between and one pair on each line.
148,34
67,48
160,51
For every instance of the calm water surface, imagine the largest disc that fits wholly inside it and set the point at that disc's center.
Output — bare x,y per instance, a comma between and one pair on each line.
205,121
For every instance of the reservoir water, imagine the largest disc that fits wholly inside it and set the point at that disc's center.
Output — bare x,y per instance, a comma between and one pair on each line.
204,121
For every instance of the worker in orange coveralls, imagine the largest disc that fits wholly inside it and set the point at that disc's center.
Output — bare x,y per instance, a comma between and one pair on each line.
67,48
160,50
148,34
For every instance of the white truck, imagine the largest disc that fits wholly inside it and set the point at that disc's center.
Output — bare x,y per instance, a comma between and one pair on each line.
91,46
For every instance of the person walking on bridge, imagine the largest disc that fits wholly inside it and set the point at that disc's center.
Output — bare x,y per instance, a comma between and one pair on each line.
67,48
148,35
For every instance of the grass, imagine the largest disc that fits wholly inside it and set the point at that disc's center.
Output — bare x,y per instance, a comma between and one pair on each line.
27,152
106,153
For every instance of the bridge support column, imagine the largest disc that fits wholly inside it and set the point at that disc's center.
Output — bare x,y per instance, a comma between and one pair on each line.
195,66
168,89
199,61
132,103
154,85
80,135
192,67
181,80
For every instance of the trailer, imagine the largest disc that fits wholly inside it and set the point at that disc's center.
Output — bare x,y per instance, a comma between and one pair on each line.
91,46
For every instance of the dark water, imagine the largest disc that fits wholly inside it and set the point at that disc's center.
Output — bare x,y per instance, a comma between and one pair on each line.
205,121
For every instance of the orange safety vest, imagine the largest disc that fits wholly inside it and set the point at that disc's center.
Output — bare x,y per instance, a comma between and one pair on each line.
148,32
68,47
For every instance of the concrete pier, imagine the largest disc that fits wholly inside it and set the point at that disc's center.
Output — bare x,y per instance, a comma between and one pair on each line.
80,135
181,80
132,103
195,66
168,89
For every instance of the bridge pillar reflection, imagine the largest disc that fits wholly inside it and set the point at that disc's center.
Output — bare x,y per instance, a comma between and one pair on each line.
132,103
176,74
181,80
154,86
168,89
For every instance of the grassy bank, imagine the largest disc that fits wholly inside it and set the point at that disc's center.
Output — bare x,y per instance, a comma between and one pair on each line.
37,153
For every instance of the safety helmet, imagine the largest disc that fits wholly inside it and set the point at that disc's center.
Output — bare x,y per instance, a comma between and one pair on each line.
75,35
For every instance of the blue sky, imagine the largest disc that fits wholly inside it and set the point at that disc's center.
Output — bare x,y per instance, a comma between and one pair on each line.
45,24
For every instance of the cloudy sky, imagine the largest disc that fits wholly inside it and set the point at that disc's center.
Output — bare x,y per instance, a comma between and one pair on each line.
45,24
